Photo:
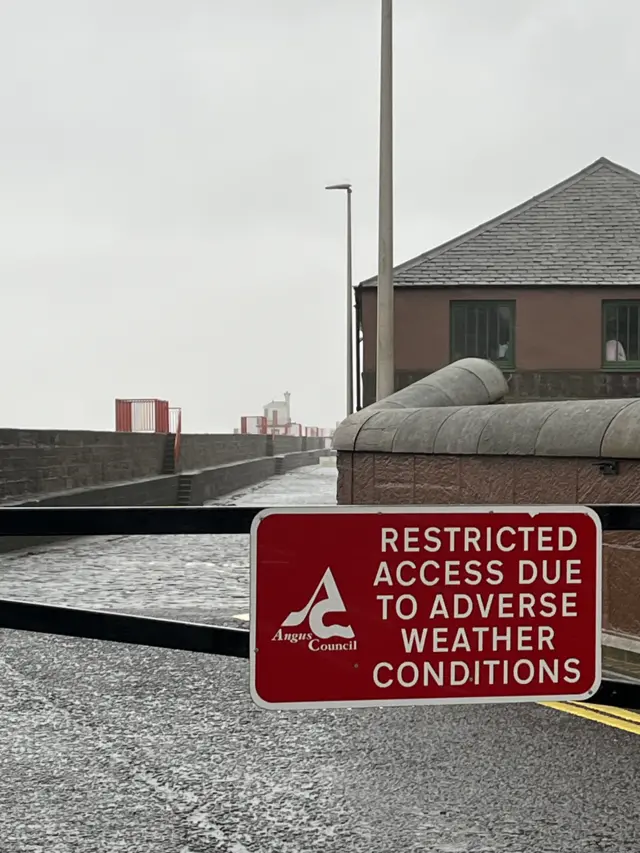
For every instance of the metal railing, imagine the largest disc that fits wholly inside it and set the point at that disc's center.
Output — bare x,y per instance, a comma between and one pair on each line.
187,636
175,419
176,428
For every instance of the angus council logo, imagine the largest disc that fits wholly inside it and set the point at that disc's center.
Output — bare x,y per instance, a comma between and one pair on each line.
315,611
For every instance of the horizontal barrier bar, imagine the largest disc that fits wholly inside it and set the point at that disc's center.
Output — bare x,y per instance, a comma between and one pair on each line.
618,694
141,521
125,521
618,516
187,636
123,628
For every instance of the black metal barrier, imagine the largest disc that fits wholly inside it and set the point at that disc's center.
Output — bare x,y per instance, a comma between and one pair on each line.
188,636
123,628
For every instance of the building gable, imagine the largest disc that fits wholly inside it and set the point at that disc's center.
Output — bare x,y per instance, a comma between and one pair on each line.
584,231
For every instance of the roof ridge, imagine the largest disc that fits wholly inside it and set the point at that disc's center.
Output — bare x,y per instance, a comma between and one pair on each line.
618,168
512,213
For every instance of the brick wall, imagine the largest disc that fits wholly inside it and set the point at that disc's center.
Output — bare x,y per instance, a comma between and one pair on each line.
537,385
206,485
39,462
389,478
292,444
46,462
204,451
573,385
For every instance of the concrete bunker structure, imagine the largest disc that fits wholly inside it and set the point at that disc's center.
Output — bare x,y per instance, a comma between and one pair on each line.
449,439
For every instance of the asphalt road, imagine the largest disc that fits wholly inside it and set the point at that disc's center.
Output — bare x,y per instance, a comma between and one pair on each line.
118,748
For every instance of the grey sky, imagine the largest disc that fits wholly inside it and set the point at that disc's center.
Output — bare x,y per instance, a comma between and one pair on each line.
165,231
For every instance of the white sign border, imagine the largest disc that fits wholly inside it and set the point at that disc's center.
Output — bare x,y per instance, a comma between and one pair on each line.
447,509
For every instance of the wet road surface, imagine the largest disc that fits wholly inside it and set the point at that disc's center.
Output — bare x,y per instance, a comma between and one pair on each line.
107,747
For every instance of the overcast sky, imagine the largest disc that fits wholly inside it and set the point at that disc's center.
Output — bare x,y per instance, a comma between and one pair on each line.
165,231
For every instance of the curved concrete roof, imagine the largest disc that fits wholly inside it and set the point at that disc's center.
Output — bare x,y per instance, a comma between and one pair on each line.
585,428
450,412
467,382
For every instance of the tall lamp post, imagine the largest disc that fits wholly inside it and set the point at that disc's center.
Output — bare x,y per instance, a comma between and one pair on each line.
348,189
385,367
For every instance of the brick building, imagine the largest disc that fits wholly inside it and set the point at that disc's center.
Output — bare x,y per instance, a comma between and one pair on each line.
549,290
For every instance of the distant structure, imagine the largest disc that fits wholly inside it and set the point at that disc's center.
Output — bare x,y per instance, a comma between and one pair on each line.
276,420
278,415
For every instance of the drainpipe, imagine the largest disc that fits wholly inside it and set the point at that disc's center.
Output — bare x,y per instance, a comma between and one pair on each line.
359,339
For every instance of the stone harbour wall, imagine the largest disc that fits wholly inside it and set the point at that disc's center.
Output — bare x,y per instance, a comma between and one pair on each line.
47,462
205,485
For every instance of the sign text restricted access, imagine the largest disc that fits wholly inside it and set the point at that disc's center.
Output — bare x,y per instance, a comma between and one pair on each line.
371,606
551,599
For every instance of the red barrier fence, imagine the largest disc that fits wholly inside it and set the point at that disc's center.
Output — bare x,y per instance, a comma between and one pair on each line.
260,425
253,425
178,432
144,415
294,429
175,419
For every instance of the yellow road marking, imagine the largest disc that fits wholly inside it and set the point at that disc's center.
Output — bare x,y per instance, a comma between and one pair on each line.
621,719
630,716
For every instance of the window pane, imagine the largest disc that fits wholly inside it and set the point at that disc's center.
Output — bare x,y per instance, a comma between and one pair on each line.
622,317
493,334
621,332
469,331
482,330
610,332
505,333
457,332
633,345
482,337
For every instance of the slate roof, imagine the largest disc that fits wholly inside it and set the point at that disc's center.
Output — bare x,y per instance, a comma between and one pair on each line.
583,231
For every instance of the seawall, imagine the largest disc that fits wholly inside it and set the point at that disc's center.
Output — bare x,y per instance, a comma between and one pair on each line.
55,468
48,462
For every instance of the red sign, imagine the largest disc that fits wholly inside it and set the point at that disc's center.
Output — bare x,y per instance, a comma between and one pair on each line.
360,606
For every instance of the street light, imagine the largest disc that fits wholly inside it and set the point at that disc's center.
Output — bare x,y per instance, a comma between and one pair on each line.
385,367
348,189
